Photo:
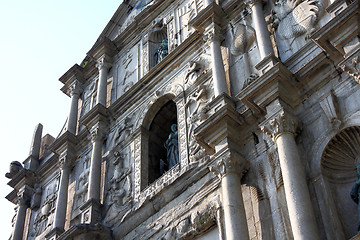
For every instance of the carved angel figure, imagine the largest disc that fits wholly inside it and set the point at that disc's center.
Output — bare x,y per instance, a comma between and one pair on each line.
293,18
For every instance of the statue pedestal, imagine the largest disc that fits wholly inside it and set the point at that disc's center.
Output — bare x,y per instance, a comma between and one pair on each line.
356,237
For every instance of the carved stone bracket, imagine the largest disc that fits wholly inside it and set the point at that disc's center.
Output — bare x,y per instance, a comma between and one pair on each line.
281,123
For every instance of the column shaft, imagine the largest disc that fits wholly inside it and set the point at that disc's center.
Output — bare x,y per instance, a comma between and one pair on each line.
262,34
301,212
102,86
20,222
95,170
73,114
61,203
234,213
218,70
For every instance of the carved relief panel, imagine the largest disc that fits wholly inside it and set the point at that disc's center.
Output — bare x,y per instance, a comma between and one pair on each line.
127,70
44,216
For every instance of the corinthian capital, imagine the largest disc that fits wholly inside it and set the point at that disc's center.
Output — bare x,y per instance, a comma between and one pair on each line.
24,196
213,33
75,88
103,63
65,162
229,164
281,123
97,133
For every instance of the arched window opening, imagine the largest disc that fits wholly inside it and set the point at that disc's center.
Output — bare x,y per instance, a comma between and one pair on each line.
162,141
158,44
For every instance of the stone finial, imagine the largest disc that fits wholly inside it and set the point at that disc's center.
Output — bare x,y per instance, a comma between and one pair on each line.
15,167
36,141
280,124
229,164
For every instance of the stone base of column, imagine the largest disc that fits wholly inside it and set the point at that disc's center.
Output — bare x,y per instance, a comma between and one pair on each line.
356,237
91,213
54,234
266,64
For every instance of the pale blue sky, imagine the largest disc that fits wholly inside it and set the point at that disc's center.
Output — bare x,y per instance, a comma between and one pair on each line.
39,41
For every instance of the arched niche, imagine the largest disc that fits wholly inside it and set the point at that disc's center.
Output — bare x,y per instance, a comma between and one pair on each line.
156,128
157,39
338,167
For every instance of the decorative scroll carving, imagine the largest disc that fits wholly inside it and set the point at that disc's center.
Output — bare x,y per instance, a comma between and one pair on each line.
353,68
97,133
280,124
330,106
213,34
103,63
293,18
229,165
75,88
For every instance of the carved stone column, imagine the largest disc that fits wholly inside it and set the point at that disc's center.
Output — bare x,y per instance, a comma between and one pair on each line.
103,67
97,137
262,33
281,128
75,91
229,169
23,204
213,36
65,163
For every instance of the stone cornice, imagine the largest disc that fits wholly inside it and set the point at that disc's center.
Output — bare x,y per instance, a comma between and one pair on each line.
277,82
24,177
332,37
66,142
224,122
94,115
74,73
103,47
212,14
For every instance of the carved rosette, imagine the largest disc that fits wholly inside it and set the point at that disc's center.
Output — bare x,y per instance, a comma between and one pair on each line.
230,164
282,123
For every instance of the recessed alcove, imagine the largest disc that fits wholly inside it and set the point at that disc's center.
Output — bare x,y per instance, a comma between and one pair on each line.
156,128
158,44
338,163
159,131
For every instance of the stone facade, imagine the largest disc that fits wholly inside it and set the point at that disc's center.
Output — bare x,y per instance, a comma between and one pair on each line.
265,99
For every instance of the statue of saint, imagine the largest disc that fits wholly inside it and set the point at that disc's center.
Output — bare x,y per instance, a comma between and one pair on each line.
171,146
355,191
162,51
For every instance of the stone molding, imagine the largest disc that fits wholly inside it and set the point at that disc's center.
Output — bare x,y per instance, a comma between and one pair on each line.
65,161
97,132
282,123
24,196
103,63
213,33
